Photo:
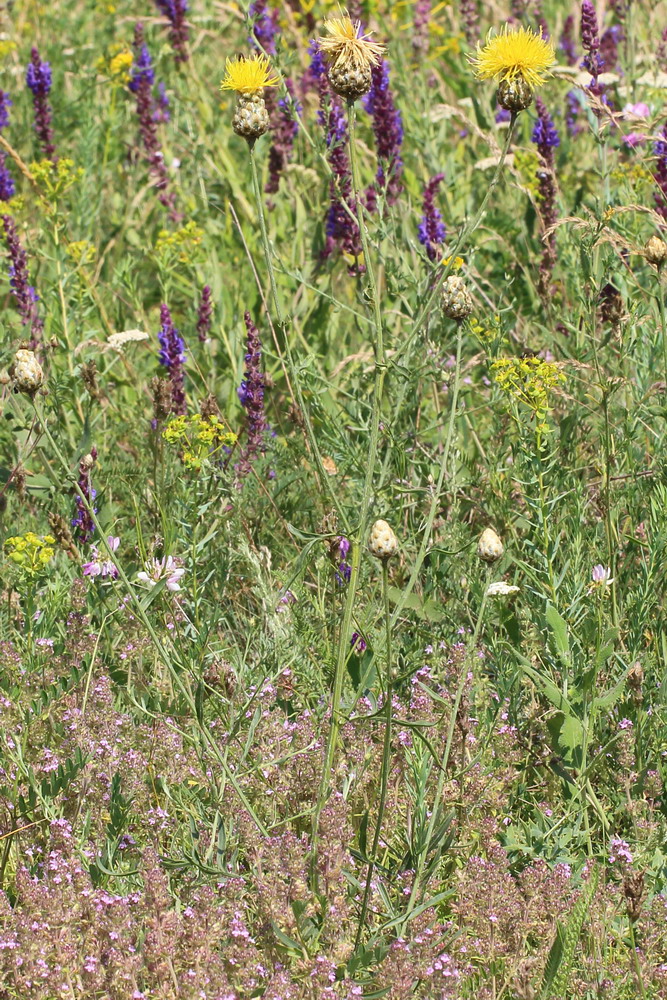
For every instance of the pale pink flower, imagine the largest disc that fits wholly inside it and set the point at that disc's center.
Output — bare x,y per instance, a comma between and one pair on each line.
162,569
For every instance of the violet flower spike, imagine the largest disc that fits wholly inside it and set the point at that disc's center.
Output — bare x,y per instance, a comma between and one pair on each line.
38,79
470,20
82,522
546,139
590,39
7,186
179,33
265,26
251,396
388,131
420,22
567,44
204,313
284,128
660,173
344,571
149,112
25,295
172,355
342,229
432,230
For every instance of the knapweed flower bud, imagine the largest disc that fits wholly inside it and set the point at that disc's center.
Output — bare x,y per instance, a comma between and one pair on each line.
514,94
350,82
26,372
251,119
383,543
655,251
456,301
248,78
351,54
489,547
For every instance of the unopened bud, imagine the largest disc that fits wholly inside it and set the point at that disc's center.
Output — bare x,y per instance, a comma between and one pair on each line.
383,543
456,301
655,251
489,547
26,373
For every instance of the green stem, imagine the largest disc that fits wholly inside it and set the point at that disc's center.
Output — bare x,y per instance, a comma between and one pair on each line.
324,477
461,242
386,757
442,776
166,657
544,517
435,499
365,506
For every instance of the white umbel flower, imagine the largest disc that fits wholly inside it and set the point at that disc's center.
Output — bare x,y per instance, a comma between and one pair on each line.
489,547
501,589
383,543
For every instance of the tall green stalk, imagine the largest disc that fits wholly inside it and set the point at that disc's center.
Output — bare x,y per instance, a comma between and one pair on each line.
386,756
442,776
365,506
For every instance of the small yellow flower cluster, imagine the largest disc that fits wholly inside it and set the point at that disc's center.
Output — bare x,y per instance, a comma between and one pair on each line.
488,331
526,164
55,179
181,244
529,381
457,264
116,64
30,552
6,46
198,438
81,252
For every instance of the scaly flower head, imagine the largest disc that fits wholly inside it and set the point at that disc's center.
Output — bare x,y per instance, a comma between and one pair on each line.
514,53
247,76
347,47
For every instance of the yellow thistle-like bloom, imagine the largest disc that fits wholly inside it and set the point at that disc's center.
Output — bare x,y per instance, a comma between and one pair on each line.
347,47
512,54
247,76
351,56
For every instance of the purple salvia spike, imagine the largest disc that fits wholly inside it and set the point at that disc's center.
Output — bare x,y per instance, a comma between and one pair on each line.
265,26
470,19
172,356
204,313
82,522
284,128
432,231
388,131
251,394
149,112
566,44
7,186
546,139
38,79
420,22
19,281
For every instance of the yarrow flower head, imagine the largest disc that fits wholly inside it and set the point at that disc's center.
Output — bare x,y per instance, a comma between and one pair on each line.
351,55
520,59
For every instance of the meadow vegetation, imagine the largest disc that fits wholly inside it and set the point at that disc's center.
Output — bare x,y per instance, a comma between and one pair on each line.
333,500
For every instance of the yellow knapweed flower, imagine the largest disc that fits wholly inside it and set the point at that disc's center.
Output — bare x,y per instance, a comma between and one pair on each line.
514,53
247,76
351,56
346,46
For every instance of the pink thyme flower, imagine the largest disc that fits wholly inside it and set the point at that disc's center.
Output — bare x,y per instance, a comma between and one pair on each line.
162,569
